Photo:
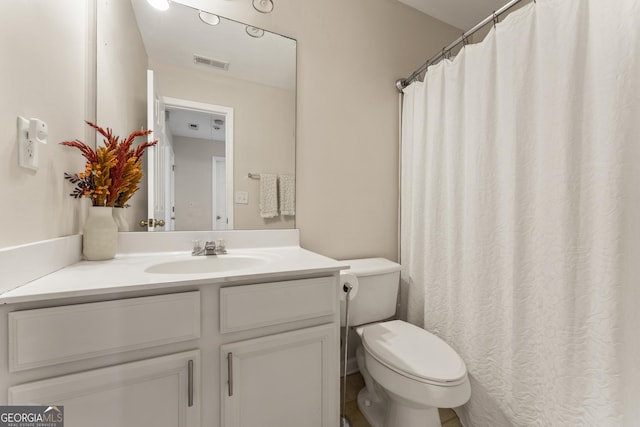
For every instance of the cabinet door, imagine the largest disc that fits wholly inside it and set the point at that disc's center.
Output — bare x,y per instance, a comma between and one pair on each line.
158,392
285,380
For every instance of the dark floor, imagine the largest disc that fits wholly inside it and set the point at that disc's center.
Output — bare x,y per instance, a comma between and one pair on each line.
355,383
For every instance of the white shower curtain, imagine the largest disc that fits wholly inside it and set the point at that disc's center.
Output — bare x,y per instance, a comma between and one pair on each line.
520,233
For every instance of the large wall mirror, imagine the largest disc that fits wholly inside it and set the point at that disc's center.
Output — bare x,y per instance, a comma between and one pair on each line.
220,97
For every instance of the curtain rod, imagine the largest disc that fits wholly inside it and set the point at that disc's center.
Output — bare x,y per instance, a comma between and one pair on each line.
402,83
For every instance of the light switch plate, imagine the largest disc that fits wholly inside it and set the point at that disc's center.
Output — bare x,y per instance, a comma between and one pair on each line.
242,197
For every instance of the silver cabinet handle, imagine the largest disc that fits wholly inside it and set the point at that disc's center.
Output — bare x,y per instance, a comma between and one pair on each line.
230,372
190,389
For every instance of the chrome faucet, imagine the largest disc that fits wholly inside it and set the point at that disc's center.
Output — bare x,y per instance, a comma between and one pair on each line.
210,248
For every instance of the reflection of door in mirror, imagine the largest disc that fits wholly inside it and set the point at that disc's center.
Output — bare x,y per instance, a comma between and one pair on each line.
219,207
159,162
200,137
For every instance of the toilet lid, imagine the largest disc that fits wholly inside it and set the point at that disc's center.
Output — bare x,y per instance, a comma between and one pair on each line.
414,352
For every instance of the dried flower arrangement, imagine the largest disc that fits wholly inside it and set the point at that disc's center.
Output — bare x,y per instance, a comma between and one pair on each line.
112,172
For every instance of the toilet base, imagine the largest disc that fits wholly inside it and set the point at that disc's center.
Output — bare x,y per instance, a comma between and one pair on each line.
386,413
373,411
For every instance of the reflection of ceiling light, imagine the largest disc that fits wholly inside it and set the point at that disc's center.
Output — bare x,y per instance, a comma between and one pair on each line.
263,6
255,32
159,4
209,18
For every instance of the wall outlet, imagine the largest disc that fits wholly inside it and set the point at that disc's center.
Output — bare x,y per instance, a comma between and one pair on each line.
27,148
242,197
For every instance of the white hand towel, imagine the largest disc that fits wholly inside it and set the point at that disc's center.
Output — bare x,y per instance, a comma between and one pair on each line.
287,194
268,195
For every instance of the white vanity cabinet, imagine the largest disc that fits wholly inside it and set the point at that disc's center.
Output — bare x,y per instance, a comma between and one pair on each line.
245,352
156,391
288,379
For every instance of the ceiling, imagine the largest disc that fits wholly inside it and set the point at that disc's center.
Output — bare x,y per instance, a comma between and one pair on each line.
184,35
462,14
195,124
176,35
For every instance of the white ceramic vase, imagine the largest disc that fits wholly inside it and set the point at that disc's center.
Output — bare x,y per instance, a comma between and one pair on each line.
119,218
100,234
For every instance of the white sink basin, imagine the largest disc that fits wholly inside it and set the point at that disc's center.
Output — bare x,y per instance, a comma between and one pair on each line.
207,264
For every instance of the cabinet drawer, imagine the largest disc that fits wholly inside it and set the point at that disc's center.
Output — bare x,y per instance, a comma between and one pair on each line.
266,304
56,335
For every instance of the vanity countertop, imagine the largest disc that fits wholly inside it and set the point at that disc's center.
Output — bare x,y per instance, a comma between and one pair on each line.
126,273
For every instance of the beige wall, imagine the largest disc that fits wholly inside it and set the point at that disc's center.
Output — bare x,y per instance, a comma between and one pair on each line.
44,74
264,131
121,70
122,93
50,74
349,55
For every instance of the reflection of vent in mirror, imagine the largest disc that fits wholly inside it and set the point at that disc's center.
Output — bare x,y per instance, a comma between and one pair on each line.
218,122
193,126
222,65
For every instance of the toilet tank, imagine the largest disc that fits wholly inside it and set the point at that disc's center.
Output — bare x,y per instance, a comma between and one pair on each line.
376,295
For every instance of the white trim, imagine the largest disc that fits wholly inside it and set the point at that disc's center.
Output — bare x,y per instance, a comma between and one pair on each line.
227,112
151,151
181,241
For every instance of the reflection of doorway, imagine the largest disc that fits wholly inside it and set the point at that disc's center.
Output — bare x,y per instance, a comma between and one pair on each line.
219,205
199,133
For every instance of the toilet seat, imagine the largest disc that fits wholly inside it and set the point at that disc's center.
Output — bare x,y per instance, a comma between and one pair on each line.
414,353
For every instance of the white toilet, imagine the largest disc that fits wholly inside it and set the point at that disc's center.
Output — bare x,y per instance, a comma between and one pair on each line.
408,372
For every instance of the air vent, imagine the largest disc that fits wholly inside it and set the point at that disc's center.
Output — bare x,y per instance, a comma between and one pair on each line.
193,126
221,65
